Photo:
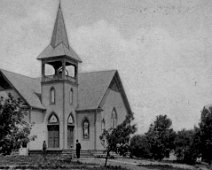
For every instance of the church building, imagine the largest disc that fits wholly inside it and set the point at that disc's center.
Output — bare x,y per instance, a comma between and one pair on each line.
67,105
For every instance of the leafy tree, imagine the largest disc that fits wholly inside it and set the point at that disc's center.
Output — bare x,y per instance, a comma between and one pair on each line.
186,145
139,146
161,137
205,133
14,130
120,135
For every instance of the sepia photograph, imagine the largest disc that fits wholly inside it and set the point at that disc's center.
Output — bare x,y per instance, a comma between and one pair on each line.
106,84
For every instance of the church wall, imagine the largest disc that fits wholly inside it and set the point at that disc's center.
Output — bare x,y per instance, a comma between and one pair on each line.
87,144
37,116
113,100
98,131
40,131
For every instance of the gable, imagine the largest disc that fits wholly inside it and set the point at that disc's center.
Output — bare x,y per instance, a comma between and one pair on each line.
116,85
26,87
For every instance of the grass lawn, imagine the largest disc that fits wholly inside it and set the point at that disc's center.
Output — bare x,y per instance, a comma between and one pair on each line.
52,162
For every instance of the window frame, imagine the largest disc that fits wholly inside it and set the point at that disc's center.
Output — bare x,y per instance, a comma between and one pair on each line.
103,125
52,92
86,137
71,96
114,118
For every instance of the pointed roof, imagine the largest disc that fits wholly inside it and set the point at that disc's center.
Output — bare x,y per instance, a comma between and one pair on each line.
59,45
59,34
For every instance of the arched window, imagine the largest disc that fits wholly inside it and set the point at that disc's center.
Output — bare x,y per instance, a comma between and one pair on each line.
71,96
85,127
70,131
53,131
114,118
52,95
103,125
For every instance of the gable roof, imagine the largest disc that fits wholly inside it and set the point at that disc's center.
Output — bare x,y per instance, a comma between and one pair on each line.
26,87
59,45
92,88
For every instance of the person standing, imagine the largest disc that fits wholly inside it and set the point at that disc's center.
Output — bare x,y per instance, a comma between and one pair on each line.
44,149
78,148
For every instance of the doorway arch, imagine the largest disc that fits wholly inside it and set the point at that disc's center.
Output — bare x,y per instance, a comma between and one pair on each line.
53,131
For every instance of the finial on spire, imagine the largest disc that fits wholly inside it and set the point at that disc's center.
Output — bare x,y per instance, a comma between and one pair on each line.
59,3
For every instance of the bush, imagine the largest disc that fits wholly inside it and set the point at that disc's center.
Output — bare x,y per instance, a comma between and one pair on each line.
139,146
185,149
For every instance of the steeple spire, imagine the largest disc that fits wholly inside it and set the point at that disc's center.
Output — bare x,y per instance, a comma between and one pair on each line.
59,44
59,34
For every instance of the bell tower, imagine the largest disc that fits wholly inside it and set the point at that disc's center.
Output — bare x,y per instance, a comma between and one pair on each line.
60,87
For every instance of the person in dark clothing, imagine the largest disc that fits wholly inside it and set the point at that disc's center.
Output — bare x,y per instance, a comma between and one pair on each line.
44,149
78,148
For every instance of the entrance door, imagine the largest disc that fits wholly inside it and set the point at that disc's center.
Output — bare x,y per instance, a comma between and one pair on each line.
53,136
70,136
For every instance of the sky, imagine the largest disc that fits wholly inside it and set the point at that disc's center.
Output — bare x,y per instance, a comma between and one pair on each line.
161,49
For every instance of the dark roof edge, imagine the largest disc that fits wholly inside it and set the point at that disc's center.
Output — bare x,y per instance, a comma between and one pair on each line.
124,94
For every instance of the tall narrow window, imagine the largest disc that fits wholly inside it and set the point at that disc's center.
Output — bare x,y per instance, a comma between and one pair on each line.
52,95
114,118
70,131
86,129
71,96
103,125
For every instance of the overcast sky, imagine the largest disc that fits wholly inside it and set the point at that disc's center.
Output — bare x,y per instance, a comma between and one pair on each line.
161,48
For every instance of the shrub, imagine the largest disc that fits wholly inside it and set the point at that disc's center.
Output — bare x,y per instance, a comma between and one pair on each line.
139,146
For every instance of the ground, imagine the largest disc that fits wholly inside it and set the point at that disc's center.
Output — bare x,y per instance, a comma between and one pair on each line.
65,162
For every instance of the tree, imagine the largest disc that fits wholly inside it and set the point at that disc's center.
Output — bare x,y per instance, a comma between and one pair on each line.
161,137
186,145
139,146
120,135
205,133
14,130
